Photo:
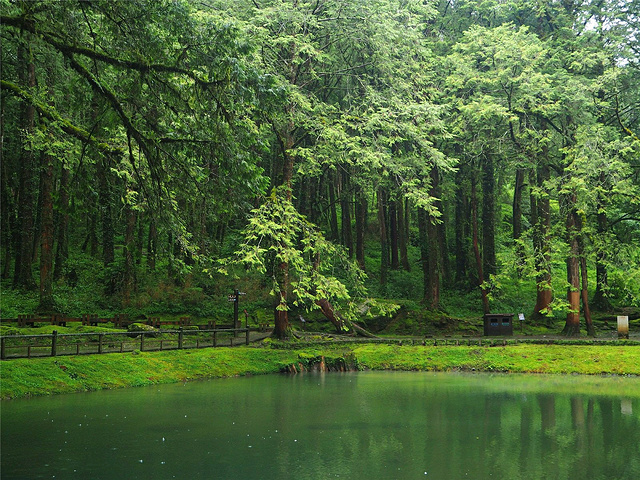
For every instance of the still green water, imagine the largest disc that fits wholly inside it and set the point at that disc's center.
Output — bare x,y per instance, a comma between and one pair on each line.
367,425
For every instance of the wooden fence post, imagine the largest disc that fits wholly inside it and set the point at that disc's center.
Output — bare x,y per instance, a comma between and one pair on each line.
2,345
180,338
54,342
100,342
141,341
247,333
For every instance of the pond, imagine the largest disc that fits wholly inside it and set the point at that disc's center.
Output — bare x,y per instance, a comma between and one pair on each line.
364,425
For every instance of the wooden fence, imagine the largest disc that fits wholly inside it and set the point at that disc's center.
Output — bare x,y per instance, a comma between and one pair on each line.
56,344
92,319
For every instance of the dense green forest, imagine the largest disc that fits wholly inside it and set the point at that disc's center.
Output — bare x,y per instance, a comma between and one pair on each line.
343,156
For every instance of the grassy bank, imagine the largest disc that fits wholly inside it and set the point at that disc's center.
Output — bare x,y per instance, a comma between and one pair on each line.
45,376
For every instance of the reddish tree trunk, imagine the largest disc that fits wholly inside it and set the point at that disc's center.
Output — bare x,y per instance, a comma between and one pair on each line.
572,325
541,221
584,291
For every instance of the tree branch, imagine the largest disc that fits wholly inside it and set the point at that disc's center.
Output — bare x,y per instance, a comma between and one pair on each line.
65,125
29,26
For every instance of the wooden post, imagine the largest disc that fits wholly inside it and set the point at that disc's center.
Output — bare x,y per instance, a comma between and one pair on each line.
78,348
141,341
180,338
247,334
215,338
54,342
623,327
2,346
236,323
100,342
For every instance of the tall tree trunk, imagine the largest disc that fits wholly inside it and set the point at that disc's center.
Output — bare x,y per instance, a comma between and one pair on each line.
423,219
444,266
572,325
140,238
91,238
384,242
541,221
584,291
152,245
361,214
347,236
600,298
461,228
476,248
7,227
434,247
62,246
393,233
517,220
129,252
23,276
488,216
282,327
432,299
403,233
333,213
106,217
47,304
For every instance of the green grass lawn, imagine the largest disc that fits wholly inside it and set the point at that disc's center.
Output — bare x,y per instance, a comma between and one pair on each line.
52,375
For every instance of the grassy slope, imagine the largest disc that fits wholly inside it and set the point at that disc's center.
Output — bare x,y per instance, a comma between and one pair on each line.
72,374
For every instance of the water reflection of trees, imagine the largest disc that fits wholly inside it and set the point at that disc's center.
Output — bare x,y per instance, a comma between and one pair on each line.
454,431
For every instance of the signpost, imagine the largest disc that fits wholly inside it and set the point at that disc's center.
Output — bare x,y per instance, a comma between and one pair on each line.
235,298
623,326
521,318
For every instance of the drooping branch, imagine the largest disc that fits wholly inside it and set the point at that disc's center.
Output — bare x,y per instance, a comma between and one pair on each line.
25,24
145,144
65,125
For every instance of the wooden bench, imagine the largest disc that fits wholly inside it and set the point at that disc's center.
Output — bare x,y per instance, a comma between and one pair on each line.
156,322
213,324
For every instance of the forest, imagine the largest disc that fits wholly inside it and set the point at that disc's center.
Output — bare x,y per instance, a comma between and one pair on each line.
343,159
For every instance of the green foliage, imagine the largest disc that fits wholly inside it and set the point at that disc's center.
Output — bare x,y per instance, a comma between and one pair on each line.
278,237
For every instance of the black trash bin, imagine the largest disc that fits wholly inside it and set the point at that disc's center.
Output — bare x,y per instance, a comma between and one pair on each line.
496,324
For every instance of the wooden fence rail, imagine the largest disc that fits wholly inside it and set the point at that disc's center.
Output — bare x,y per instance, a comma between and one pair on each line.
120,320
55,344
